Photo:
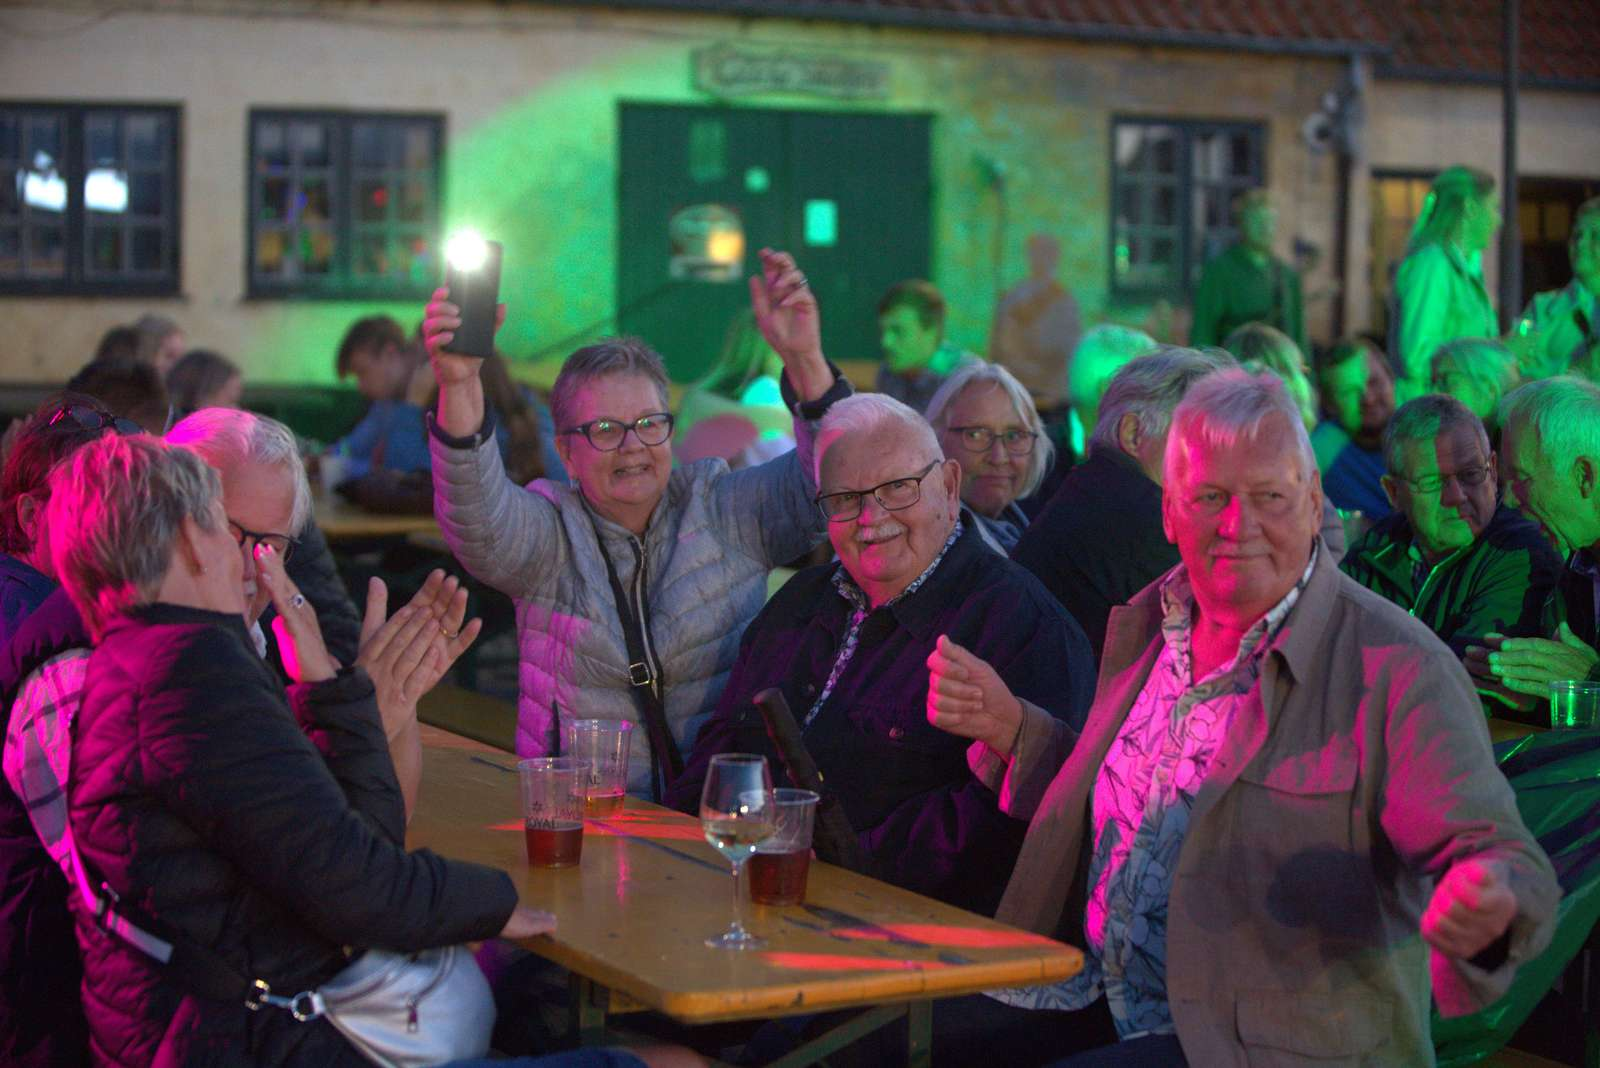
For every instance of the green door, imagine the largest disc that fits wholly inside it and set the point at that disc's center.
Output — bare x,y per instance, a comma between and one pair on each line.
702,190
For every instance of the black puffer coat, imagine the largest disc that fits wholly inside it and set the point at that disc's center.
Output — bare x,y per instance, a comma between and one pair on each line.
201,801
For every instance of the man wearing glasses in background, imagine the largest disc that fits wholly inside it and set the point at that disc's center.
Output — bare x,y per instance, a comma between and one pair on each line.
1450,554
858,648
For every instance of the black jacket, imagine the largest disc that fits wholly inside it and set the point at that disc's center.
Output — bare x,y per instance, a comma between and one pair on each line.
921,816
1099,541
41,1016
314,571
202,802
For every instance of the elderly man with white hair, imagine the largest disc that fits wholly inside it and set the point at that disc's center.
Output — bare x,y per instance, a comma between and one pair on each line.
1283,783
851,644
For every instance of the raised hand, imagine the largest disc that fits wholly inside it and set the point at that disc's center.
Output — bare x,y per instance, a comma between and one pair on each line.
408,653
967,698
300,646
786,312
1470,908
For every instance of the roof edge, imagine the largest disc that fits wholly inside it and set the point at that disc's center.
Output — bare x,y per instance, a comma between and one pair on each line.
1439,76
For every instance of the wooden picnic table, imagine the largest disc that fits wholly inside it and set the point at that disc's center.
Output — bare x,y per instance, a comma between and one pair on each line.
342,521
633,916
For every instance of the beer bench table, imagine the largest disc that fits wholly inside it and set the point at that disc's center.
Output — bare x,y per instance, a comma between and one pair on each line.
342,521
633,916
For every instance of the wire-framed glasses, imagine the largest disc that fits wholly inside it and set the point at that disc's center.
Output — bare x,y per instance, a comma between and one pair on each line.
980,439
282,544
895,495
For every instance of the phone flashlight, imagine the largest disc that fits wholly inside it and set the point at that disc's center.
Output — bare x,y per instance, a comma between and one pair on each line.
472,275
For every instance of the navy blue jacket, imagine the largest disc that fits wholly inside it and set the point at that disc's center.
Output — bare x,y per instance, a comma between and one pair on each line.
921,816
22,588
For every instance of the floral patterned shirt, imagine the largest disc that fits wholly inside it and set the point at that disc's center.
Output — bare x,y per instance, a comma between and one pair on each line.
1140,808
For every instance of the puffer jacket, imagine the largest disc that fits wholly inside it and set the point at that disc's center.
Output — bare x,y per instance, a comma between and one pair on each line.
704,557
197,797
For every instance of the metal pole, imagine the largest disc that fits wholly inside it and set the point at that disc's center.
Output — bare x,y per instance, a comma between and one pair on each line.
1510,239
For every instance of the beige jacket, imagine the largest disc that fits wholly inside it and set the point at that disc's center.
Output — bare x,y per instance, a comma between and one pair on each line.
1354,775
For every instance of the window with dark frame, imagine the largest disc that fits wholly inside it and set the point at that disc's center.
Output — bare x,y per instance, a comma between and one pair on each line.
89,199
344,204
1173,183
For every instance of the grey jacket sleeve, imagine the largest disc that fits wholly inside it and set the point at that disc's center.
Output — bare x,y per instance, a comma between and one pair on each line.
506,536
1019,781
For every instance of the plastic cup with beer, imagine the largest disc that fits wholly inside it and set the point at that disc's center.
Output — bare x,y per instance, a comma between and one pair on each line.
552,810
778,868
1574,705
602,745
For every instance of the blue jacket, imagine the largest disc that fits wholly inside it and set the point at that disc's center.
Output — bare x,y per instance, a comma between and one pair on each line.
22,589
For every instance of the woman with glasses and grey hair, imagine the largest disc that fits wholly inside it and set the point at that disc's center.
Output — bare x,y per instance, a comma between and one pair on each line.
634,583
987,422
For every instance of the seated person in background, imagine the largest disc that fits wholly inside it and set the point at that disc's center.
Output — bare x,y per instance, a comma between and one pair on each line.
1477,372
268,830
916,356
131,390
1247,283
1450,555
161,343
1037,327
1357,403
1283,778
1560,329
120,344
391,372
986,421
1099,541
204,379
1549,459
1259,347
742,384
851,643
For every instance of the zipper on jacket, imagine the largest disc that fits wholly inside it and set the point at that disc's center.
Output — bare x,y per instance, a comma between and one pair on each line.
639,614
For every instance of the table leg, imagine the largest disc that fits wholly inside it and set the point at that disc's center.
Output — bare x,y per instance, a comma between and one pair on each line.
837,1038
588,1012
919,1034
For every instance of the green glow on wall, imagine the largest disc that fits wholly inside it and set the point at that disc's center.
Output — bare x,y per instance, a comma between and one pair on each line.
822,223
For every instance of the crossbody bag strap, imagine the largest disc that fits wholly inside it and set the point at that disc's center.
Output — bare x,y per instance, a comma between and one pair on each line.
666,761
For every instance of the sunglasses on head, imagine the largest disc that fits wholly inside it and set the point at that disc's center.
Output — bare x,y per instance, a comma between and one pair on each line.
94,419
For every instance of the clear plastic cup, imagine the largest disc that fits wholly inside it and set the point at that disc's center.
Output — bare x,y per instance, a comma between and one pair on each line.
552,810
602,745
1574,705
779,867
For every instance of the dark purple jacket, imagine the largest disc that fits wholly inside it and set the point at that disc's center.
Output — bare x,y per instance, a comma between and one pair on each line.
201,801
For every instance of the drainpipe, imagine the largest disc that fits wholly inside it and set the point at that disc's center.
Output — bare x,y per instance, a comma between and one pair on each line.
1510,238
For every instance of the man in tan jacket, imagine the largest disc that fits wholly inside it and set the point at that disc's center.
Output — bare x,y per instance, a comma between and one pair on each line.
1283,810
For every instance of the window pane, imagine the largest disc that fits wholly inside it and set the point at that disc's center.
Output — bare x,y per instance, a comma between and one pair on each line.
1164,205
274,200
369,144
372,201
105,191
144,193
372,257
10,250
316,251
414,201
1243,156
47,252
105,249
10,192
272,146
310,144
100,146
146,249
1129,203
147,140
270,248
419,152
10,137
315,205
44,136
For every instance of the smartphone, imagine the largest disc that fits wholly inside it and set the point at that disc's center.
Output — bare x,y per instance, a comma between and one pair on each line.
472,275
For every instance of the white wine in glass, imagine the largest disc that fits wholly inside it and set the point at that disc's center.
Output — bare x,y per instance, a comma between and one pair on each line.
737,812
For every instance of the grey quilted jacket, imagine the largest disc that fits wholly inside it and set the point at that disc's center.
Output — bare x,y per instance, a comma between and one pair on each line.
706,553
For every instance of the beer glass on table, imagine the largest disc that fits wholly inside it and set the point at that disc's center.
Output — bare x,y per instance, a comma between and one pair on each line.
602,744
736,813
552,810
778,870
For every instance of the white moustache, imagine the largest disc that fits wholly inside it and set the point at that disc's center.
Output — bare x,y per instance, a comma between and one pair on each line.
881,532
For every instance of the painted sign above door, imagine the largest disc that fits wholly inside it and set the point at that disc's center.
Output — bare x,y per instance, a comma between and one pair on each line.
735,70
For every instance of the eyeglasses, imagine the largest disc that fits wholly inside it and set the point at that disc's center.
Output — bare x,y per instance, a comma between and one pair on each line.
607,435
980,439
895,495
95,419
282,544
1467,476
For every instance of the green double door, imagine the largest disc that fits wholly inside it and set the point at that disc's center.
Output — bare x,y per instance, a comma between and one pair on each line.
703,189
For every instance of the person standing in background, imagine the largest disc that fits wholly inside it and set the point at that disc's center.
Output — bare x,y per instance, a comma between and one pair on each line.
1558,330
1247,284
1036,327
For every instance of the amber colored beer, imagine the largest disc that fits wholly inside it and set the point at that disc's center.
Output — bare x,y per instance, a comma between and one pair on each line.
599,806
555,843
779,878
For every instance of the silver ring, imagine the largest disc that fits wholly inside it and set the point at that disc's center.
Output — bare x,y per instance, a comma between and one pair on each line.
804,283
297,601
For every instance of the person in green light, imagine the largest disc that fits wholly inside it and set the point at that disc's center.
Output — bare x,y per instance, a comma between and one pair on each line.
1559,328
1358,401
1439,294
1104,350
743,383
1477,372
1260,347
916,356
1247,284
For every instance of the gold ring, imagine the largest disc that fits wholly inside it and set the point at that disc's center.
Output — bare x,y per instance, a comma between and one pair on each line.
448,635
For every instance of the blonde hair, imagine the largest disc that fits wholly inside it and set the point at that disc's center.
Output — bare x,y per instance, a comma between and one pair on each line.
1446,204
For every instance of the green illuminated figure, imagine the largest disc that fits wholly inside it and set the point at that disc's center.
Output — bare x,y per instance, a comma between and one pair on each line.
1439,294
1247,284
1558,330
916,356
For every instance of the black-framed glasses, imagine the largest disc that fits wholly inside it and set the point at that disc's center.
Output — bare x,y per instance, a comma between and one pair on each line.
895,495
282,544
980,439
94,419
607,435
1467,476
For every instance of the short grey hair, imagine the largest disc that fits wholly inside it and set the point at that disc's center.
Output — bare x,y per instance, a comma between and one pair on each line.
1563,411
1149,388
228,437
1424,419
1231,405
613,356
1482,359
862,413
116,511
1044,450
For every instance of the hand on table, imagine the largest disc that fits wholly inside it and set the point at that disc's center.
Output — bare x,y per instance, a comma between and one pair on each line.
1484,680
1529,665
967,698
526,922
438,329
300,646
786,311
1470,908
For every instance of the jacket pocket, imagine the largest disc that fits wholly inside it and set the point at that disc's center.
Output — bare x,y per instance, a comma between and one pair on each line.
1283,1030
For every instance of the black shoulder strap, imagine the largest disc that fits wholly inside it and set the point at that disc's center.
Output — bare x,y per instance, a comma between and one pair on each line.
666,762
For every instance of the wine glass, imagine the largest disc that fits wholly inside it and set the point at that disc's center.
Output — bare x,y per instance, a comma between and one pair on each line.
737,810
